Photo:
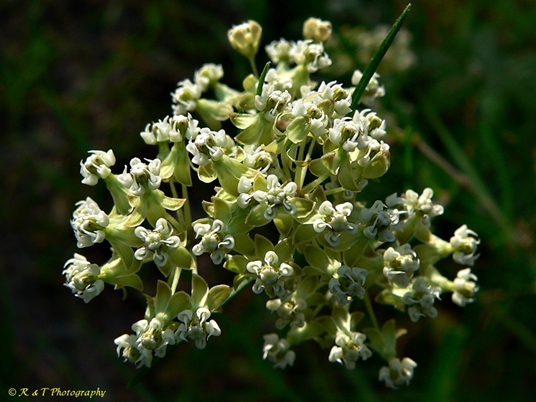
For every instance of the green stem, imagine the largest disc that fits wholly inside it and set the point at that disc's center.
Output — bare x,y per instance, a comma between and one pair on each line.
285,161
262,77
253,66
301,170
315,183
180,214
334,190
174,222
370,311
377,58
173,189
311,147
186,207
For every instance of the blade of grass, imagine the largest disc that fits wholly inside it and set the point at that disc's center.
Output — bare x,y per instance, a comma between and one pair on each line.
59,110
262,77
493,150
408,160
321,382
362,386
377,58
475,184
431,154
445,369
517,328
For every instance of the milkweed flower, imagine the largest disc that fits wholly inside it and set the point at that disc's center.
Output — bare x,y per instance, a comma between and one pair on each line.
277,351
464,243
82,278
398,372
464,287
97,166
89,223
349,348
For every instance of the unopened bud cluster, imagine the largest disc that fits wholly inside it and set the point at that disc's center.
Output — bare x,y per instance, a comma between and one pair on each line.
295,160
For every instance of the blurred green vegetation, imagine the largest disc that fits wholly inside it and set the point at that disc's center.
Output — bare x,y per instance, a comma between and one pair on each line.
82,75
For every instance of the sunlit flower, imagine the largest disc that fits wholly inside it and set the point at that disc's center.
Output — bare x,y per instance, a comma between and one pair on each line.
464,242
309,54
400,264
186,96
245,38
349,348
334,221
156,242
270,274
464,287
195,326
82,278
141,176
97,166
88,223
213,240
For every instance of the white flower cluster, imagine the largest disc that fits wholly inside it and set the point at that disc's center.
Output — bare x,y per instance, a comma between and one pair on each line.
291,164
152,337
400,264
398,372
306,53
421,298
170,129
97,166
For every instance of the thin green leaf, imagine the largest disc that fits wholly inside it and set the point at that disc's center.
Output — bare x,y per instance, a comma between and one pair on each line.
377,58
262,77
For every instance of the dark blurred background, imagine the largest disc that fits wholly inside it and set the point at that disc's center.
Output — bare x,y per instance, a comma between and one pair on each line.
82,75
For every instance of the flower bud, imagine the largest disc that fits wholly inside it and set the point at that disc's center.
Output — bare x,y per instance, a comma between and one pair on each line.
317,30
245,38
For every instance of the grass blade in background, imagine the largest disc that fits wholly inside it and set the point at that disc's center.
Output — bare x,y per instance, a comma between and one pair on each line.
476,184
375,62
442,381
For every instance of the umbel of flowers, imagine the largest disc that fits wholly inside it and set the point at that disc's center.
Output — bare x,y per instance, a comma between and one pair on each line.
296,159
